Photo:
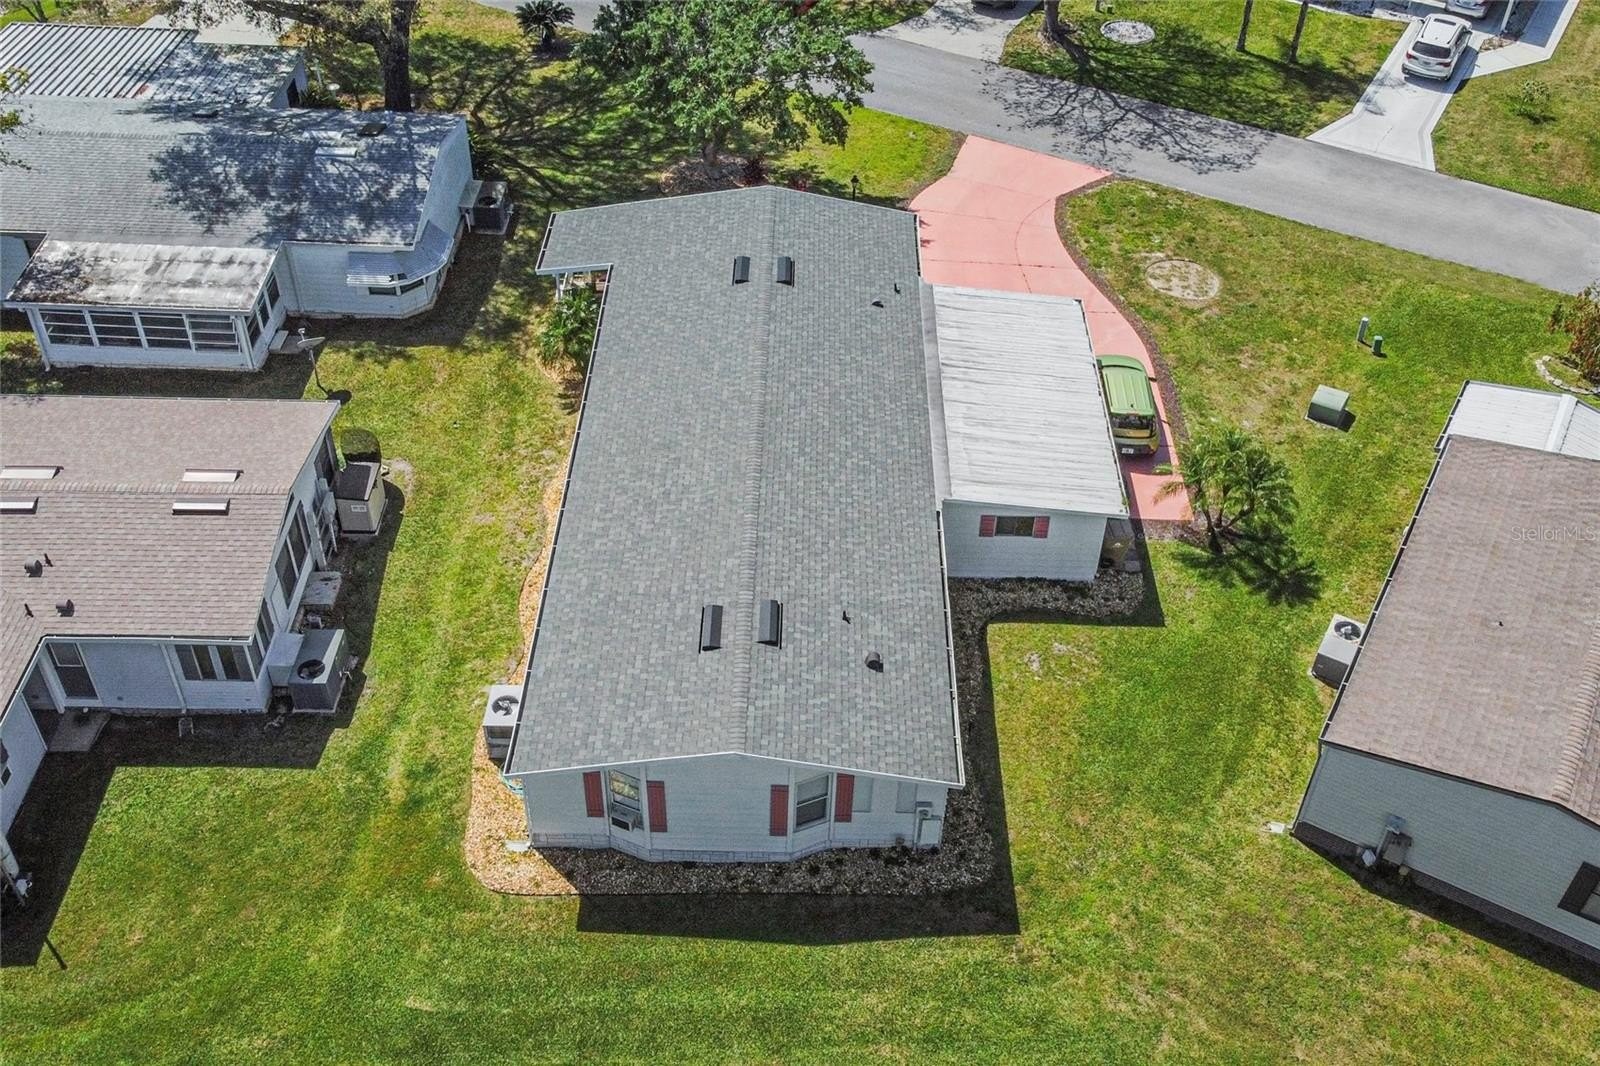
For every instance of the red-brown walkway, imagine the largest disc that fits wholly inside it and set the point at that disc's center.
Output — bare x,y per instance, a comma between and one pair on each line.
991,223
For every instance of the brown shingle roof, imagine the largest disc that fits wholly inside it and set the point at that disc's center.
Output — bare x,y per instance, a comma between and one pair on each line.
128,564
1483,658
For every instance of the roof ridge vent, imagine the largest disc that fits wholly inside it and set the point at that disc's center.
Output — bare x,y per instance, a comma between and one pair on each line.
711,627
783,270
769,623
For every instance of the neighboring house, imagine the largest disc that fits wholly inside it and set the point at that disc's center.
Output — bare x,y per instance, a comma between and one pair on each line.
170,209
156,554
743,643
1464,745
1023,456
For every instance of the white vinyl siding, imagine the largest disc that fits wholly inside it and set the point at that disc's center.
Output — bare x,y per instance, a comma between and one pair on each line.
24,749
1516,852
1071,551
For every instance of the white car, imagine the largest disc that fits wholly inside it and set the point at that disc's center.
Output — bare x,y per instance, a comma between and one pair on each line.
1473,9
1438,48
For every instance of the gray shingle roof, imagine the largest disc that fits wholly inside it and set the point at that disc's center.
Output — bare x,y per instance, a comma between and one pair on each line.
130,566
1483,658
133,172
740,442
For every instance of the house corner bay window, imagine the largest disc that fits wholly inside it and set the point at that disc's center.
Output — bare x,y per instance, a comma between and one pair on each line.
625,800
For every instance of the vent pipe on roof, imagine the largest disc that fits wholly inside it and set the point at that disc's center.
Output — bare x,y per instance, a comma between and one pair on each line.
34,569
711,627
769,627
65,609
874,662
741,269
783,270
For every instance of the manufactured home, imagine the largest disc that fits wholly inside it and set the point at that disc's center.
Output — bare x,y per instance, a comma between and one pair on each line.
743,642
170,213
157,553
1463,748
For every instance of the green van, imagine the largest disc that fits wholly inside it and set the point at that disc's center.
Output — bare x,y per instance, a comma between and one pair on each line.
1131,404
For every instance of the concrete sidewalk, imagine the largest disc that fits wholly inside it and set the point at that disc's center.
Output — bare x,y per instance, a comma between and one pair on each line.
991,223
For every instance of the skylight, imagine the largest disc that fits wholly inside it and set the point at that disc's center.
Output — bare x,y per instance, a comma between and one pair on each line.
16,506
29,473
211,505
217,477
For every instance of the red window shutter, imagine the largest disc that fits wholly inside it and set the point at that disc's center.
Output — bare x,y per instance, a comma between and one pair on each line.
593,799
844,796
656,792
778,812
986,525
1041,526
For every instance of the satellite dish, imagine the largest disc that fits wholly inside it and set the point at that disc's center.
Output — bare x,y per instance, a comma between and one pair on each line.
305,344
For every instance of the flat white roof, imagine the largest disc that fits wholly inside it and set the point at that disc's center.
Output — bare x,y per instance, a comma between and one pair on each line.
1531,418
1019,400
102,274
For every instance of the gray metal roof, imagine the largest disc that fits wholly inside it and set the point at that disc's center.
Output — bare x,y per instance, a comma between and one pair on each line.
143,275
739,442
136,62
130,566
154,173
1020,408
1482,660
1532,418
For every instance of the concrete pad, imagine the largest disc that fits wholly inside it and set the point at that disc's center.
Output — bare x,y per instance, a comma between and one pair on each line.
990,223
961,27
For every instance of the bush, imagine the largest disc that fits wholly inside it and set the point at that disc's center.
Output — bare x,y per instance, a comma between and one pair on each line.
359,445
568,330
1579,318
1533,100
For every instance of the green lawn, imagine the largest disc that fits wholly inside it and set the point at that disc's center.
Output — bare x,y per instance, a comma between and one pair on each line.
1192,63
876,14
1485,137
231,913
894,157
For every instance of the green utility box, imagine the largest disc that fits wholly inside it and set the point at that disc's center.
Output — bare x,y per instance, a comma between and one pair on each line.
1329,406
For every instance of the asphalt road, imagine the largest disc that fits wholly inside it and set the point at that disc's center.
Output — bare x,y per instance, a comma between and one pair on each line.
1318,184
1321,185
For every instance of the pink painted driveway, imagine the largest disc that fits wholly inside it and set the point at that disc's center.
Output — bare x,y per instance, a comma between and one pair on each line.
991,224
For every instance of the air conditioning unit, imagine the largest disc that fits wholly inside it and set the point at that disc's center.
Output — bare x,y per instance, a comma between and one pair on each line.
358,495
317,680
491,207
623,818
500,713
1337,651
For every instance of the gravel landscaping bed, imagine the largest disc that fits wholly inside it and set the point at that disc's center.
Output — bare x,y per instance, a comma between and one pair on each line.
965,859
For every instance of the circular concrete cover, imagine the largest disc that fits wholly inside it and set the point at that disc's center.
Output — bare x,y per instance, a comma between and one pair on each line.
1128,31
1183,279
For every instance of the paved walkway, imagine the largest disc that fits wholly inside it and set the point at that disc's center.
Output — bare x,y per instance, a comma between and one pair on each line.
1318,184
991,223
1396,116
961,27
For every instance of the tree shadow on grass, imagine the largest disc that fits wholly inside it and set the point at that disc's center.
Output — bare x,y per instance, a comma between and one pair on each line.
1270,565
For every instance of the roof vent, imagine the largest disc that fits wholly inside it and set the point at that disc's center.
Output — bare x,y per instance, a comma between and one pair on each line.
741,269
29,473
769,627
19,506
711,627
371,129
874,662
783,270
34,569
65,608
202,505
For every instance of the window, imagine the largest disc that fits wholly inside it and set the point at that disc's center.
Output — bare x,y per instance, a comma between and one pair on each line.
288,575
905,797
215,662
298,539
811,802
273,293
165,331
213,333
116,329
413,286
292,555
66,327
382,290
261,643
862,799
1583,894
72,673
624,800
5,765
1013,526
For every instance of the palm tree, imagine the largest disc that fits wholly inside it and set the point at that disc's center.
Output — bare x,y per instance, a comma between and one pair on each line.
1236,486
543,18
